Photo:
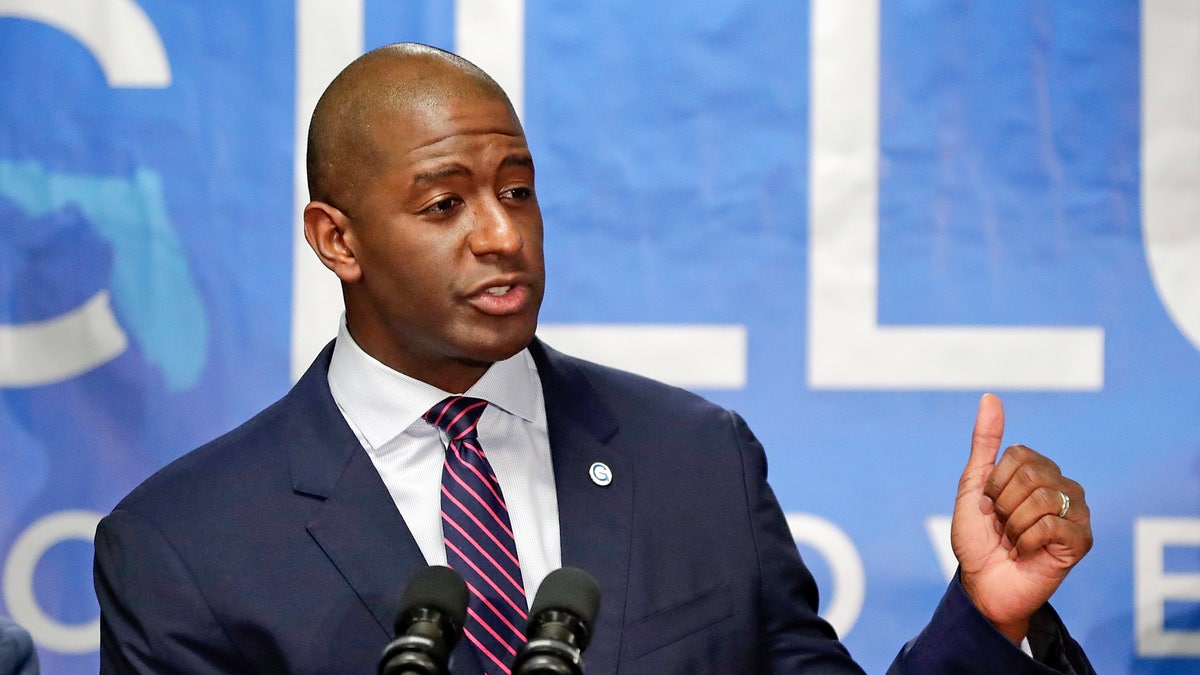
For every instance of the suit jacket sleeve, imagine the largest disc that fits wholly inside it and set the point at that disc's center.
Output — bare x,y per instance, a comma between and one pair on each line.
958,638
153,618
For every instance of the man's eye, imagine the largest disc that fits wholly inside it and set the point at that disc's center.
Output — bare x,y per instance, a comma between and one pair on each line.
443,205
518,193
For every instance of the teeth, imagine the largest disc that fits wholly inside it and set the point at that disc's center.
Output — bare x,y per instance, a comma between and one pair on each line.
498,290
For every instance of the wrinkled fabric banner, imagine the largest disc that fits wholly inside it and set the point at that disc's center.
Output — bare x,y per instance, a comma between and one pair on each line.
845,219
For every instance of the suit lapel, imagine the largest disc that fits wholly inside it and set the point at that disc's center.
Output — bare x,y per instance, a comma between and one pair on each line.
594,521
358,526
364,535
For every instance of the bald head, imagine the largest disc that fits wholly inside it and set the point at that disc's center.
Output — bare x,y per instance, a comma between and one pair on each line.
385,83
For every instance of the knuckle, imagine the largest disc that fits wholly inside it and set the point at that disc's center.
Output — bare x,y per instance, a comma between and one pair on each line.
1075,488
1027,456
1050,499
1026,475
1042,530
1016,453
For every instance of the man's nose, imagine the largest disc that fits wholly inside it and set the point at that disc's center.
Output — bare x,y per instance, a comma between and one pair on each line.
495,231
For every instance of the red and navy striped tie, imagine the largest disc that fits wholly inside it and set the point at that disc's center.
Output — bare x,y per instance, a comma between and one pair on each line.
479,538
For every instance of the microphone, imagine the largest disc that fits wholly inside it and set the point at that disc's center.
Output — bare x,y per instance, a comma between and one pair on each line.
560,624
435,606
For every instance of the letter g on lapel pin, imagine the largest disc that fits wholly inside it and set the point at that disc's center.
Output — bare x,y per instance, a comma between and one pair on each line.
600,473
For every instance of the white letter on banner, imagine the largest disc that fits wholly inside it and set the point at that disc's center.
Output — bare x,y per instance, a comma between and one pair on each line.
329,35
60,348
847,349
937,528
693,356
118,33
23,558
125,43
491,34
1153,586
1171,157
849,580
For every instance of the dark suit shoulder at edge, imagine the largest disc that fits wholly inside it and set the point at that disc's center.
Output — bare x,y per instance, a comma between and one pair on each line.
615,385
245,447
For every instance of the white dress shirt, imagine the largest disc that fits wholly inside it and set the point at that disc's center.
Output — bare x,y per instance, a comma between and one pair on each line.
384,408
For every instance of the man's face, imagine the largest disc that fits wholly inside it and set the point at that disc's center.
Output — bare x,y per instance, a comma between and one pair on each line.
448,237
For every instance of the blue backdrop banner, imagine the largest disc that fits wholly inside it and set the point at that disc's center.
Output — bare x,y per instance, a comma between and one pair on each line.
845,219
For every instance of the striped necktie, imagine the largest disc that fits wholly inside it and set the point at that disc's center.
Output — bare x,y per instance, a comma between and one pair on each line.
478,536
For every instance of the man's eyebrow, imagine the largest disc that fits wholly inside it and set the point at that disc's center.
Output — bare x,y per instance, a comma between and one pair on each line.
438,174
517,160
426,177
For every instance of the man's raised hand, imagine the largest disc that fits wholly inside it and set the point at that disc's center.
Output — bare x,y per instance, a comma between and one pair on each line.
1013,543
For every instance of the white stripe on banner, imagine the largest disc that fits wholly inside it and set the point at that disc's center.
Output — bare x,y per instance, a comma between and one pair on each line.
1171,156
847,349
329,35
491,34
694,356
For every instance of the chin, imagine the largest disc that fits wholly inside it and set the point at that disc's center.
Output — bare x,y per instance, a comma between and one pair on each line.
500,347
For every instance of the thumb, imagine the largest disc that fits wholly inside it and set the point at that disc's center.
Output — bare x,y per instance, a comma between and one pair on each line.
985,439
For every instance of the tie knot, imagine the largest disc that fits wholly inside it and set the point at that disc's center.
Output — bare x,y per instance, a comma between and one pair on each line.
457,416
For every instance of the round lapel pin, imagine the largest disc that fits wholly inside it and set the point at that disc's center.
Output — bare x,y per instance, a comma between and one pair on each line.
600,473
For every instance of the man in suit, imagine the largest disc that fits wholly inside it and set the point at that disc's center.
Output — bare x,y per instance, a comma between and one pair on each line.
285,545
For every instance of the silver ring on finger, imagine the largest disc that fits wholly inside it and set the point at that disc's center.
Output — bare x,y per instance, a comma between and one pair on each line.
1066,504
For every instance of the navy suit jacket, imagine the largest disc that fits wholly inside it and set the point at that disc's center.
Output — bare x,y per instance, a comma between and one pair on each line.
277,548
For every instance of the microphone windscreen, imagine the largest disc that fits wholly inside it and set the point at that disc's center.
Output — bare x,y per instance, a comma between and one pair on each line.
568,589
435,587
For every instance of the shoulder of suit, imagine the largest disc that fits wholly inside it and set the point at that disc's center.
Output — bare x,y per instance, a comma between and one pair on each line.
255,448
617,386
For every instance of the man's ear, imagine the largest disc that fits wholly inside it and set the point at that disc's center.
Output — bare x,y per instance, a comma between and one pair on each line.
327,230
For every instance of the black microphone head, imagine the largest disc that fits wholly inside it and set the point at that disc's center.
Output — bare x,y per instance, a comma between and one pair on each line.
570,590
435,587
560,624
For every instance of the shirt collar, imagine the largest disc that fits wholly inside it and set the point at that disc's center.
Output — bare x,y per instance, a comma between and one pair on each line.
382,403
